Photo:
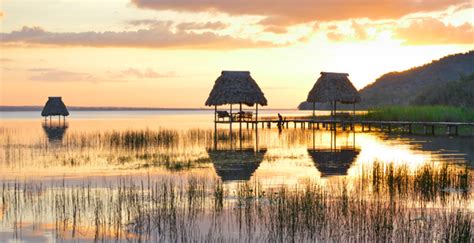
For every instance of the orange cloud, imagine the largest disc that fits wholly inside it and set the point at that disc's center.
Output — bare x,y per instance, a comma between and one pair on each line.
142,74
429,31
289,12
157,36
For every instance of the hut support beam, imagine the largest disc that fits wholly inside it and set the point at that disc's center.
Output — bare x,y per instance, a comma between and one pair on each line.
231,118
240,125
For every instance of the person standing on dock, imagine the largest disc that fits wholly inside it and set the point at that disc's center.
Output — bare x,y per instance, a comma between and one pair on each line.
280,122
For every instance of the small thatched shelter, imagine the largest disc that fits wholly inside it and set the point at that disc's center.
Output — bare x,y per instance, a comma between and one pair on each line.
332,162
236,87
54,107
236,165
333,88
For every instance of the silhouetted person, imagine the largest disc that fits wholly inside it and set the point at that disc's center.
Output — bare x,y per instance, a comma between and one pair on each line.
280,122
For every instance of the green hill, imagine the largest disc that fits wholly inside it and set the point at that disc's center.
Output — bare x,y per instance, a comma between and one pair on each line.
458,93
403,88
435,83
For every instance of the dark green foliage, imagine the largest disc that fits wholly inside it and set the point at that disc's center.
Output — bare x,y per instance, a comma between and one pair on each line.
458,93
402,88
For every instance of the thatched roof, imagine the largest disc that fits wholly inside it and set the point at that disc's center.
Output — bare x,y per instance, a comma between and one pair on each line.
333,162
236,165
332,87
55,107
234,87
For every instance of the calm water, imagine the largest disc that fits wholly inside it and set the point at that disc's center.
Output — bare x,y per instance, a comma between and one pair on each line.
103,149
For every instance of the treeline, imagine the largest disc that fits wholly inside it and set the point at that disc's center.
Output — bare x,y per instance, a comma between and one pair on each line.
457,93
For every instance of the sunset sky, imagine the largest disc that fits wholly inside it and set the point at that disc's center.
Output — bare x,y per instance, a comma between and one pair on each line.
168,53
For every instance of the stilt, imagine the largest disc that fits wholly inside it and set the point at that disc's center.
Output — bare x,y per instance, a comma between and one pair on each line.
432,129
231,119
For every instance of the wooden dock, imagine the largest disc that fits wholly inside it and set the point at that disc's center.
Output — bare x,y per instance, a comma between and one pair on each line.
451,128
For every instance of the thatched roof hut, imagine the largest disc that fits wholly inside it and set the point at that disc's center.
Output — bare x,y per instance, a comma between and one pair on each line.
236,87
333,162
334,87
236,165
55,107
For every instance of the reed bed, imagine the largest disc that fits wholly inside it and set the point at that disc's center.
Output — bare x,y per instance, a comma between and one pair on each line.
421,113
388,204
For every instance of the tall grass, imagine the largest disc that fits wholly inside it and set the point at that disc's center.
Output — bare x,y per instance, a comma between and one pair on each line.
387,205
421,113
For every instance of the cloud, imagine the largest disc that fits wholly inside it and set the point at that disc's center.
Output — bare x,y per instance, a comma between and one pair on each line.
57,75
359,31
3,60
335,36
292,12
429,31
199,26
142,74
157,36
276,29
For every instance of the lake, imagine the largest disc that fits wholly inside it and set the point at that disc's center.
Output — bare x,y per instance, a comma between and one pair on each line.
169,176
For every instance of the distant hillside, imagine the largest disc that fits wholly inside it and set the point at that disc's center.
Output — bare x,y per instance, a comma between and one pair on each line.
402,88
458,93
425,84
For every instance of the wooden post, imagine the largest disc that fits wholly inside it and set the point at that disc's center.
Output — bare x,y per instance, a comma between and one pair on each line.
256,115
231,118
240,124
215,127
314,107
256,126
432,129
215,113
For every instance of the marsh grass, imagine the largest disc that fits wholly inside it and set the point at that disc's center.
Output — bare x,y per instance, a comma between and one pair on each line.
389,204
420,113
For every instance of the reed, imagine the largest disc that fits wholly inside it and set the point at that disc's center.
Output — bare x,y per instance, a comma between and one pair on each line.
392,206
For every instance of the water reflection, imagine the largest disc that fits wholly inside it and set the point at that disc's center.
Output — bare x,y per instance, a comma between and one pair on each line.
236,165
55,132
333,160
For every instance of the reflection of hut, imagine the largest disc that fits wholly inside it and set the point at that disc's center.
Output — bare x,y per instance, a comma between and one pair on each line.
332,162
236,87
55,133
332,88
236,165
54,107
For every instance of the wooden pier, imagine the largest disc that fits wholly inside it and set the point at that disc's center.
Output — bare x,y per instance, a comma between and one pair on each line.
450,128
